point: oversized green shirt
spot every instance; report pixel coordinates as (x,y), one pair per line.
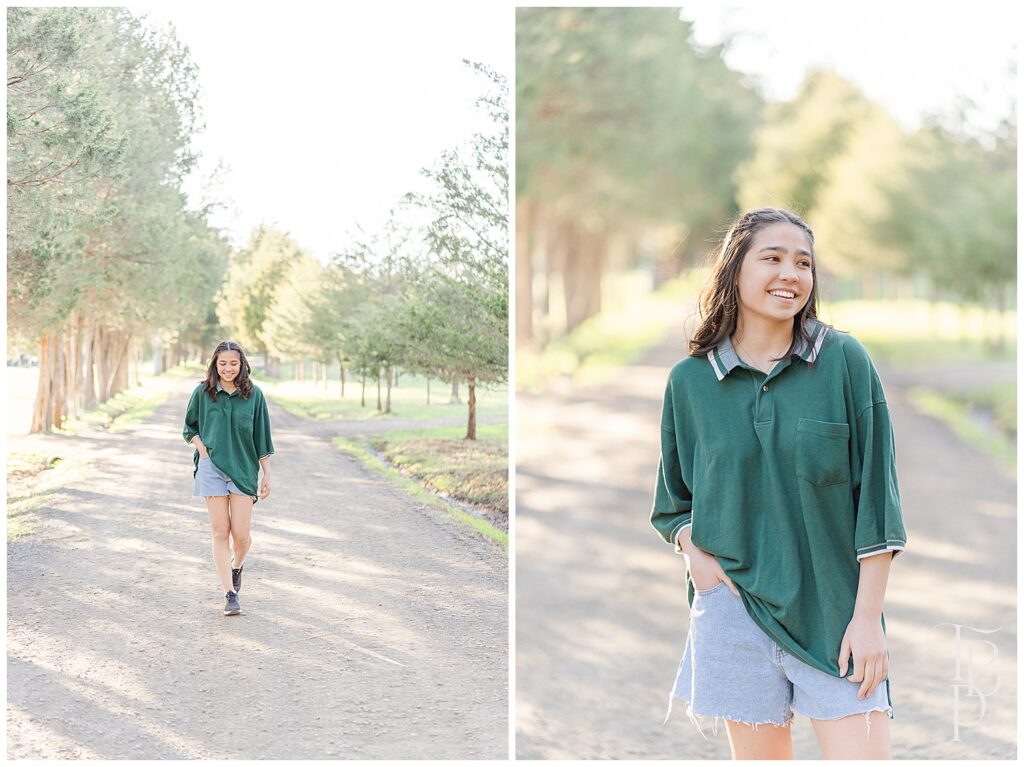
(236,432)
(787,478)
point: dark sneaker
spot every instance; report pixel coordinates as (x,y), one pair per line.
(236,578)
(232,607)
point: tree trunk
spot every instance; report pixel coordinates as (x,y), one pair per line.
(379,403)
(341,375)
(387,403)
(524,273)
(74,363)
(42,409)
(158,357)
(88,384)
(1000,343)
(362,394)
(455,393)
(471,426)
(102,363)
(584,264)
(120,347)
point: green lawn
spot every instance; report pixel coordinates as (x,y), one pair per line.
(439,460)
(408,400)
(915,331)
(909,331)
(633,319)
(429,463)
(471,471)
(998,440)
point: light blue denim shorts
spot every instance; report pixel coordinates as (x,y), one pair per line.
(731,669)
(212,481)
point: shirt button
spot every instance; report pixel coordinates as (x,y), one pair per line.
(764,388)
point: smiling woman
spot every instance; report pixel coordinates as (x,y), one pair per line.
(777,481)
(228,425)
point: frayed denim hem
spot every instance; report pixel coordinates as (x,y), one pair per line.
(867,717)
(714,724)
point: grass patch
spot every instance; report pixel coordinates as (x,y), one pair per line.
(408,401)
(185,371)
(470,471)
(634,319)
(961,419)
(120,412)
(427,462)
(31,479)
(915,331)
(1000,401)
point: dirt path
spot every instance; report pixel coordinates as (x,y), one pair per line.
(601,616)
(372,627)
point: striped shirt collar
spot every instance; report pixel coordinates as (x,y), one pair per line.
(723,358)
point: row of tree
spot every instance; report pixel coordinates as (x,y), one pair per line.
(102,251)
(427,299)
(635,146)
(938,202)
(105,257)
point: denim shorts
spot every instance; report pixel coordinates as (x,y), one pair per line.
(212,481)
(732,669)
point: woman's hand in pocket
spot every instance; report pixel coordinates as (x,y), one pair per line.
(705,572)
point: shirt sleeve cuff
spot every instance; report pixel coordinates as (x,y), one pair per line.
(679,548)
(880,548)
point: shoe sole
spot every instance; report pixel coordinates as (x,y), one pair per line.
(232,612)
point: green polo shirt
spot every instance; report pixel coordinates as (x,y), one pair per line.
(235,430)
(787,478)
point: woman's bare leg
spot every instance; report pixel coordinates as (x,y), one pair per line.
(852,738)
(220,523)
(241,526)
(766,741)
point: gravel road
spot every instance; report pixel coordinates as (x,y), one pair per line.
(372,627)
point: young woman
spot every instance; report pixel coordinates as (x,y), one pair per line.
(228,424)
(777,481)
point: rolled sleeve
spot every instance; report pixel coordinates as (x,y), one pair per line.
(673,501)
(879,525)
(191,428)
(261,429)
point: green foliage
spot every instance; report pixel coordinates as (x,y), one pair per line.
(455,312)
(936,203)
(247,298)
(100,114)
(954,212)
(797,143)
(620,122)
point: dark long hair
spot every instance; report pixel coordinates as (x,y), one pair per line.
(720,299)
(242,382)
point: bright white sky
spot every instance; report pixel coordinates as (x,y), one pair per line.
(911,57)
(324,117)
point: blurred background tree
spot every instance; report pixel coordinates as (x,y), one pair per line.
(636,147)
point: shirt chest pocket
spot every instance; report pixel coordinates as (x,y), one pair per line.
(241,420)
(823,452)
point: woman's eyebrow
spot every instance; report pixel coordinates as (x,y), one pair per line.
(801,251)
